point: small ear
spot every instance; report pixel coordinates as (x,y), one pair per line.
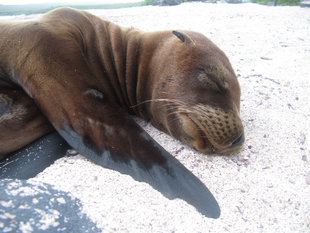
(182,36)
(179,35)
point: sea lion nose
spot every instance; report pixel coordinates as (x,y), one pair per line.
(239,141)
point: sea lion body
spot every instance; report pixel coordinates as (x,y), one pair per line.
(86,75)
(125,67)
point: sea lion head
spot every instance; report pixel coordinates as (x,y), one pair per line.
(196,95)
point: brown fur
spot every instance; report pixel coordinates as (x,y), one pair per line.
(80,69)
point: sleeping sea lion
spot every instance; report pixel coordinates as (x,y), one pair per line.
(84,76)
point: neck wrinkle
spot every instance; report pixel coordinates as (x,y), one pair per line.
(134,75)
(149,71)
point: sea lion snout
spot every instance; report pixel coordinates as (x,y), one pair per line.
(197,98)
(211,130)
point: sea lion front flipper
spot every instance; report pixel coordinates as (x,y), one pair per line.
(21,123)
(108,136)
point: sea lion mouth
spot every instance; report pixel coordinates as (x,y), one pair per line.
(208,147)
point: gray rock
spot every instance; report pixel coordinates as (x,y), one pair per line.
(30,207)
(305,3)
(34,158)
(167,2)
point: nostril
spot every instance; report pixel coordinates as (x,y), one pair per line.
(239,141)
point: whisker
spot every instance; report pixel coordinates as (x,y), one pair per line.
(169,101)
(178,112)
(149,101)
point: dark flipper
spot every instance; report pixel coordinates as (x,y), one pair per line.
(34,158)
(169,176)
(111,138)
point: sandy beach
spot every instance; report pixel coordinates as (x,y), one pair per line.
(265,187)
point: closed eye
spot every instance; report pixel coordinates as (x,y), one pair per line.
(209,81)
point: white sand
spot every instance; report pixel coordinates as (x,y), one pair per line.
(266,187)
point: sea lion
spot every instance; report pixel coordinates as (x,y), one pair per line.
(87,75)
